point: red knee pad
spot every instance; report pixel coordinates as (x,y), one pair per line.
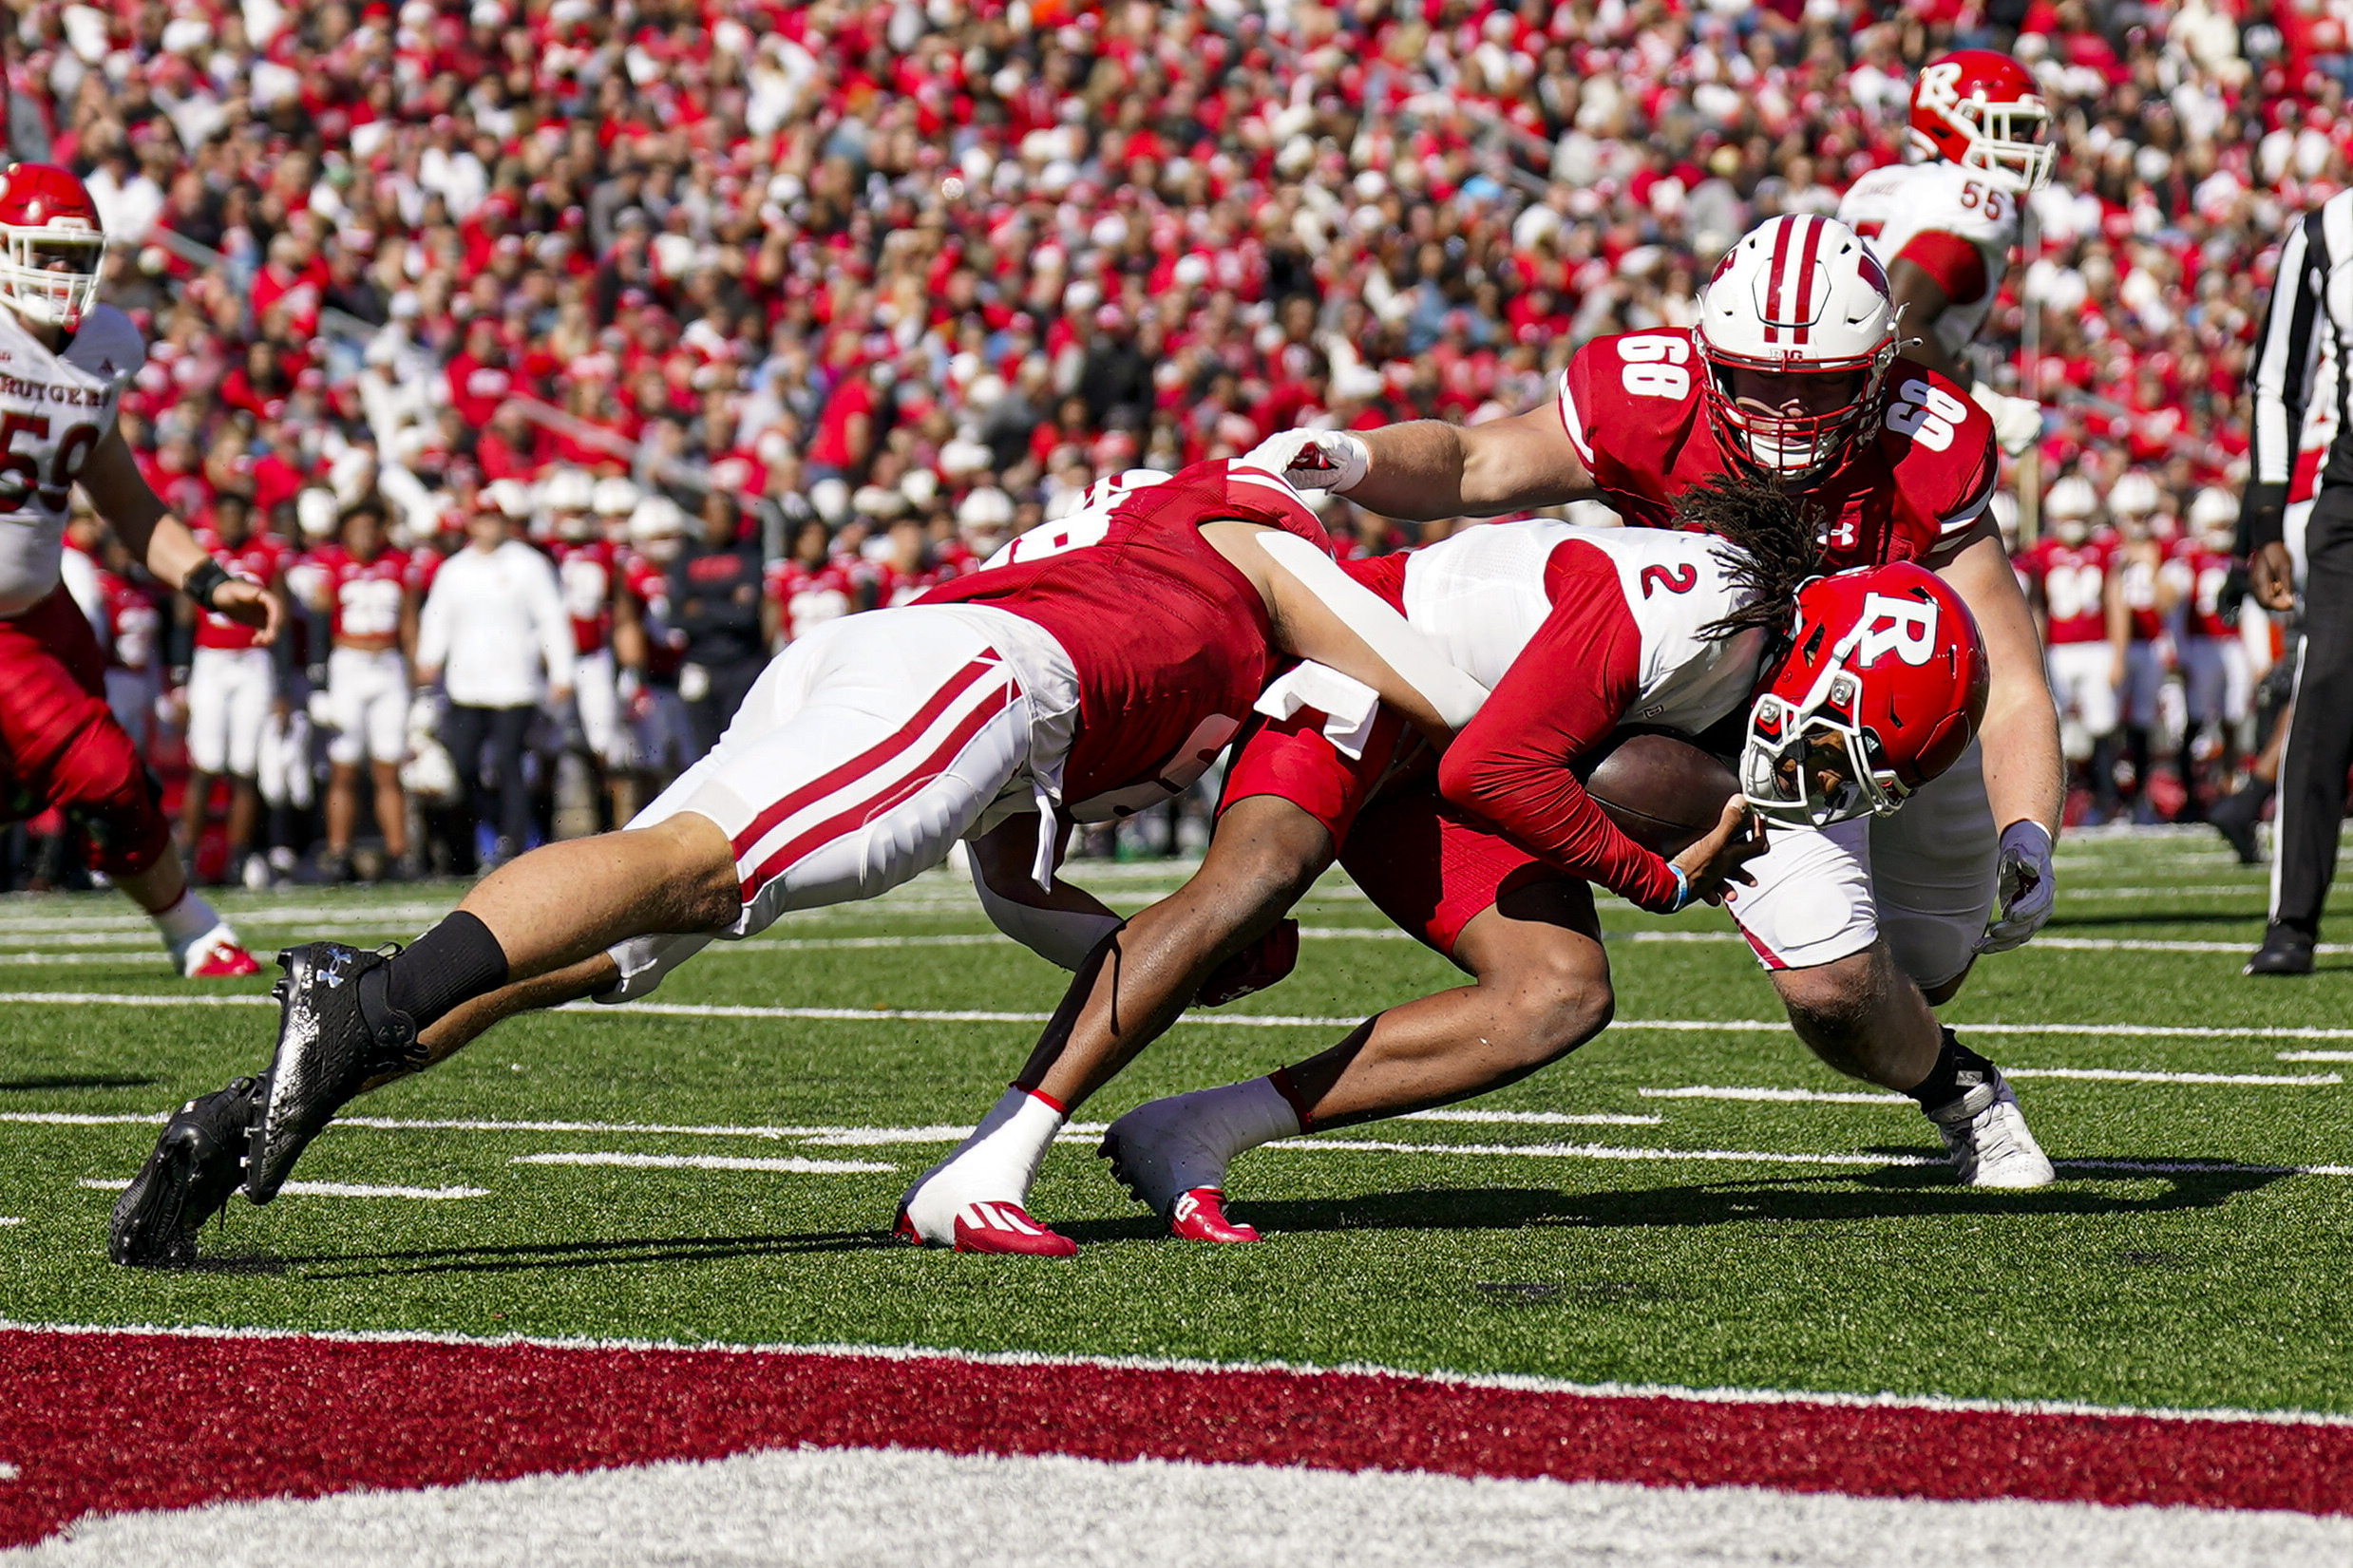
(101,784)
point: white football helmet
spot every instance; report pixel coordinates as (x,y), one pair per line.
(1801,301)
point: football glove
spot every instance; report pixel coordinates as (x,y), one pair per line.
(2018,421)
(2025,887)
(1313,460)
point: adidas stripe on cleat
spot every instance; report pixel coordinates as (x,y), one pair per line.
(998,1226)
(1200,1216)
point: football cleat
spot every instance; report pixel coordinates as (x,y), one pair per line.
(1200,1216)
(1988,1137)
(335,1033)
(1255,967)
(996,1226)
(2284,951)
(196,1169)
(218,955)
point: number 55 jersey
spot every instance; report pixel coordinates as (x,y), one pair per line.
(1914,482)
(54,410)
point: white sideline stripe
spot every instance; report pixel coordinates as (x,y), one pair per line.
(917,1015)
(1824,1096)
(11,1219)
(2315,1056)
(1519,1382)
(706,1162)
(333,1189)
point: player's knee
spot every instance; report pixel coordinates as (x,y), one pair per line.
(1550,1004)
(1832,1006)
(690,856)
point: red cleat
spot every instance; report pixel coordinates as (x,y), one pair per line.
(220,957)
(1199,1214)
(995,1227)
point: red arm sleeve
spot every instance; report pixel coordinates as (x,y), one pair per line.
(1957,266)
(1566,690)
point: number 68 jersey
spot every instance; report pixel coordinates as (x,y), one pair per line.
(54,410)
(1912,487)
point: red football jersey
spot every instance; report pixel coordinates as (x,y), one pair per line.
(585,572)
(1171,643)
(2136,573)
(2201,573)
(2071,578)
(1634,406)
(649,585)
(806,599)
(134,622)
(364,597)
(263,557)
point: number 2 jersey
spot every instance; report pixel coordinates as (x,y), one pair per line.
(1171,643)
(54,410)
(1918,481)
(1576,631)
(1947,222)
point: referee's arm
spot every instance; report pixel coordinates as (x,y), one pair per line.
(2280,385)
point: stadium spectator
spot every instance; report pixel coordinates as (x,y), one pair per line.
(494,636)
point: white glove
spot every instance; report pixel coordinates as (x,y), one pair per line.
(1313,460)
(2025,887)
(2018,421)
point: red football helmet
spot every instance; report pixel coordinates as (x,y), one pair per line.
(1881,691)
(1985,112)
(1800,305)
(52,245)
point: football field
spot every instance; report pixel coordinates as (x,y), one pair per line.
(1690,1202)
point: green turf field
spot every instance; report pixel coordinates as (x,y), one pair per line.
(2222,1284)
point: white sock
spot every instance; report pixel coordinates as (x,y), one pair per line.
(995,1164)
(186,921)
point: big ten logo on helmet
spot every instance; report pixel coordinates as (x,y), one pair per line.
(1905,627)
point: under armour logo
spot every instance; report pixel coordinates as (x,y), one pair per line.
(331,975)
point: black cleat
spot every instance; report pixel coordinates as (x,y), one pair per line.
(196,1166)
(2284,951)
(335,1033)
(2235,816)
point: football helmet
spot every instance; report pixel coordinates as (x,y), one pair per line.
(1985,112)
(52,245)
(1802,301)
(1881,691)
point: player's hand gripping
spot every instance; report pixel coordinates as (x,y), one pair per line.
(2025,886)
(1313,460)
(1721,858)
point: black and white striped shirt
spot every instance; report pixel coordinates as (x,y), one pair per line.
(2312,314)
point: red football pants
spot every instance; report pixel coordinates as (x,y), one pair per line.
(60,745)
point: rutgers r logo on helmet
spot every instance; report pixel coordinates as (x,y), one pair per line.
(52,246)
(1983,111)
(1905,627)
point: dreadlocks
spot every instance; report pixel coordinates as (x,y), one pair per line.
(1779,539)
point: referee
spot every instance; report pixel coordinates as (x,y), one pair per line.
(2312,313)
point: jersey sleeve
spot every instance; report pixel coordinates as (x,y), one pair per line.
(1571,686)
(1578,402)
(1949,463)
(1956,265)
(108,345)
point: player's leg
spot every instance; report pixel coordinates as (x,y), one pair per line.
(207,737)
(2319,749)
(1290,796)
(1527,936)
(865,754)
(1859,952)
(347,750)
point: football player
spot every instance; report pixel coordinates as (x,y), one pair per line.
(231,682)
(2067,574)
(1944,227)
(2140,600)
(367,593)
(1098,668)
(1792,372)
(69,358)
(588,570)
(1579,631)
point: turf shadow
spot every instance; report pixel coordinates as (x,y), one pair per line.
(1899,1193)
(2170,917)
(606,1253)
(75,1080)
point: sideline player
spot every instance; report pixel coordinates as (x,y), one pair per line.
(1579,631)
(1944,227)
(2067,575)
(588,574)
(231,684)
(1793,372)
(1095,670)
(68,359)
(367,592)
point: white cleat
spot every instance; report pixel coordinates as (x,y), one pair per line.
(1987,1136)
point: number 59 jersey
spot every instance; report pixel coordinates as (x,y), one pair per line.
(54,410)
(1916,482)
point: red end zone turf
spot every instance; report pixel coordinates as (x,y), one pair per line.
(108,1422)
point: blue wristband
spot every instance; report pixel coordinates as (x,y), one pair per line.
(1683,889)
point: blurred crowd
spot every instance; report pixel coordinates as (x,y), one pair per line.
(699,322)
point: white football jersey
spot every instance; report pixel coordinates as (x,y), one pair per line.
(1479,595)
(1893,206)
(54,410)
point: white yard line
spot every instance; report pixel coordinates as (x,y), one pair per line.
(1533,1118)
(11,1219)
(2258,1080)
(1812,1096)
(708,1162)
(2315,1056)
(335,1189)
